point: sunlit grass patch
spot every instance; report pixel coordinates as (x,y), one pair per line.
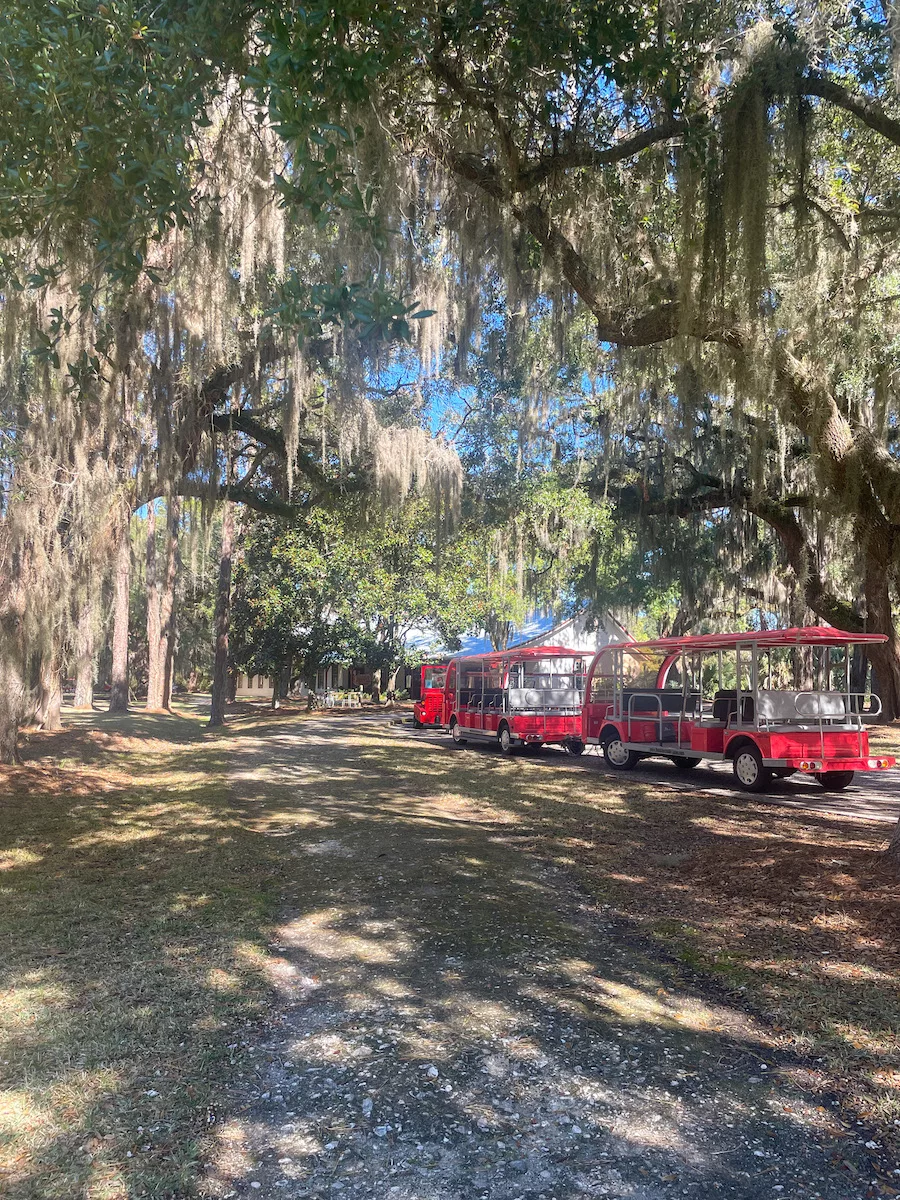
(132,940)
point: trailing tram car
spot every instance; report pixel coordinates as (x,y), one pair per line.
(772,703)
(517,698)
(429,705)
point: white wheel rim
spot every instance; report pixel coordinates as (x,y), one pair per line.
(456,732)
(504,739)
(617,752)
(746,768)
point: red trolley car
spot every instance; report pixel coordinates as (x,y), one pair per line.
(429,705)
(517,697)
(772,703)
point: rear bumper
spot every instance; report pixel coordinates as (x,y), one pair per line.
(874,762)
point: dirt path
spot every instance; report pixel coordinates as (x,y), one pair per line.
(457,1021)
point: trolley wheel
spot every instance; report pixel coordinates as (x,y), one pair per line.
(575,746)
(749,772)
(685,764)
(618,756)
(835,781)
(504,739)
(456,734)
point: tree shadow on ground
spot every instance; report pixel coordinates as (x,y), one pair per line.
(432,912)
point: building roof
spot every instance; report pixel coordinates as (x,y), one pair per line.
(580,630)
(495,657)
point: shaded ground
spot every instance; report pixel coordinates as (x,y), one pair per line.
(331,957)
(459,1018)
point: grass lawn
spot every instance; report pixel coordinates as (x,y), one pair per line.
(139,892)
(134,897)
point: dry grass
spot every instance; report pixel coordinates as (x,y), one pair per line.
(133,909)
(794,914)
(138,892)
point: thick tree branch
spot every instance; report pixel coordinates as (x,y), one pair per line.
(580,157)
(273,440)
(869,112)
(781,518)
(660,323)
(262,502)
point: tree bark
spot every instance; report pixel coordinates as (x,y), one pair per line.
(222,620)
(13,688)
(154,619)
(161,609)
(118,696)
(168,599)
(885,660)
(84,656)
(48,710)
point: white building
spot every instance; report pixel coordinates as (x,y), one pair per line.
(580,633)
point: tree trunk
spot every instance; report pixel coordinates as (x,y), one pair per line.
(885,662)
(167,601)
(222,619)
(155,666)
(13,687)
(161,609)
(84,656)
(885,659)
(48,714)
(232,684)
(118,695)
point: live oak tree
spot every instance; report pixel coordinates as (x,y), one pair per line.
(717,191)
(160,290)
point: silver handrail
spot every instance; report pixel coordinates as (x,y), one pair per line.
(645,696)
(852,716)
(629,712)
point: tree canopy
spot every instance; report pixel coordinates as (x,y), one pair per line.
(642,257)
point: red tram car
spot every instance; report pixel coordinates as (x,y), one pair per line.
(429,706)
(771,703)
(517,698)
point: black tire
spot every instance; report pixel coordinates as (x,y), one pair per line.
(749,772)
(835,781)
(575,746)
(504,740)
(685,764)
(455,734)
(417,723)
(618,756)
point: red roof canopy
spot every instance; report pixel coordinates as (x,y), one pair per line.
(497,656)
(810,635)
